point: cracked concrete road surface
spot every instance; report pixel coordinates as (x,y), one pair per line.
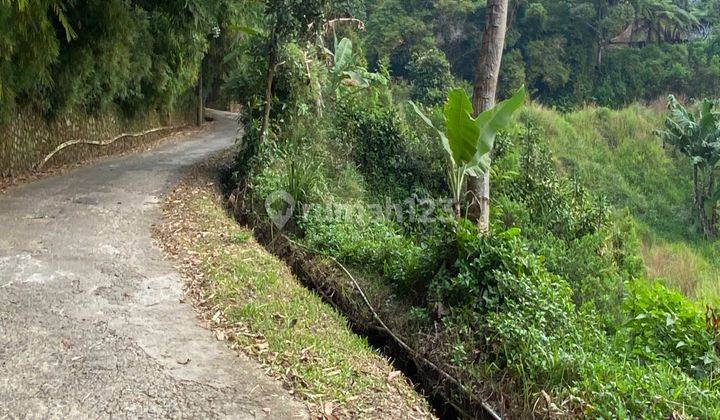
(91,324)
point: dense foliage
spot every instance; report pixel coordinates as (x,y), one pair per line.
(63,54)
(429,71)
(567,53)
(554,301)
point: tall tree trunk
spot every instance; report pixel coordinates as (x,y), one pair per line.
(700,202)
(272,63)
(493,42)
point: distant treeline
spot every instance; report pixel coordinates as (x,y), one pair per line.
(611,52)
(139,54)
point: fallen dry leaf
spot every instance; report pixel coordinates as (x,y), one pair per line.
(328,409)
(216,317)
(393,375)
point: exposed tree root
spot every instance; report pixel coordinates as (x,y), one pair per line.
(97,143)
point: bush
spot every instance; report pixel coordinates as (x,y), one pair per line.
(357,237)
(429,72)
(574,231)
(523,316)
(664,326)
(393,160)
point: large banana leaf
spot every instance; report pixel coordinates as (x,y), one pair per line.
(467,140)
(343,55)
(491,122)
(461,130)
(698,137)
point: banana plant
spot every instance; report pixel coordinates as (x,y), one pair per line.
(468,141)
(698,137)
(345,72)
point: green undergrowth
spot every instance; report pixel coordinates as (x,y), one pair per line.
(615,153)
(269,314)
(554,301)
(553,313)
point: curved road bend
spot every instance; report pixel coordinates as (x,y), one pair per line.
(90,320)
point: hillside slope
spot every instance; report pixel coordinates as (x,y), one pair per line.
(615,153)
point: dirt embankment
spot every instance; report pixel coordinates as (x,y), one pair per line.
(251,300)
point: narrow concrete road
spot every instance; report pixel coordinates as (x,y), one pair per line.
(91,323)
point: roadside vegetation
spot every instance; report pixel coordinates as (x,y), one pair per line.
(92,55)
(579,280)
(551,313)
(86,71)
(251,300)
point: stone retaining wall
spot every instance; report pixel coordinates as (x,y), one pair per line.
(28,137)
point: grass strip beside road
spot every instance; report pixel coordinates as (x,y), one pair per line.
(250,299)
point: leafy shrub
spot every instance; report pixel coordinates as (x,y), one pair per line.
(527,324)
(388,154)
(429,72)
(355,236)
(574,231)
(524,313)
(558,204)
(612,385)
(481,281)
(663,325)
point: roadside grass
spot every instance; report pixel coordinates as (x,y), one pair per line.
(251,299)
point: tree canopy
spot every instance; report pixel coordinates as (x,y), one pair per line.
(610,52)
